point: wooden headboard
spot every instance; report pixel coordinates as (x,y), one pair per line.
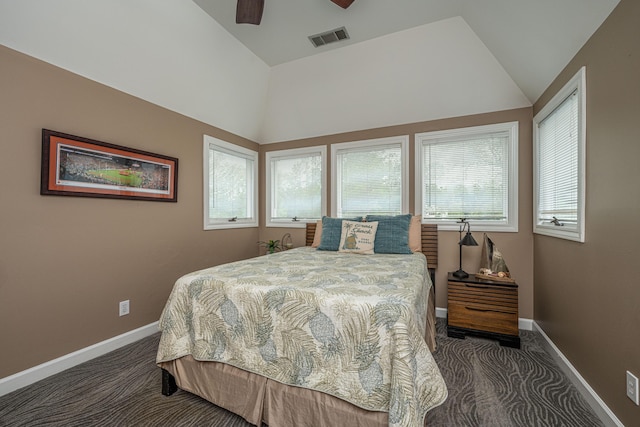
(429,241)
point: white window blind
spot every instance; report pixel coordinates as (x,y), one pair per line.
(559,131)
(558,164)
(230,185)
(469,173)
(295,186)
(370,177)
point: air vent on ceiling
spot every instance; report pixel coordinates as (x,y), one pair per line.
(329,37)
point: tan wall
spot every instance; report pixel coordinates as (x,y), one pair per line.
(587,295)
(66,262)
(516,247)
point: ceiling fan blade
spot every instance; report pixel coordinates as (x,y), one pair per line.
(249,11)
(343,3)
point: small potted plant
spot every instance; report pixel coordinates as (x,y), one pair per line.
(271,245)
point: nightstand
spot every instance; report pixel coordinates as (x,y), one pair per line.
(484,308)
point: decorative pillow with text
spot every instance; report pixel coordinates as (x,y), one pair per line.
(358,237)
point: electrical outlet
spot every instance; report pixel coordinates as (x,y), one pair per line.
(124,308)
(632,388)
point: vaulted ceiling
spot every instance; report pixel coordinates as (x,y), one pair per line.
(532,40)
(407,61)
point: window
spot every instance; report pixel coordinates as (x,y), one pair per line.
(295,186)
(469,173)
(370,177)
(559,163)
(230,183)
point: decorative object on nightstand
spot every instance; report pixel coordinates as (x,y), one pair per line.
(492,263)
(467,240)
(286,242)
(485,308)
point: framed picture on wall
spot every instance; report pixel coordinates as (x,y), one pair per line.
(76,166)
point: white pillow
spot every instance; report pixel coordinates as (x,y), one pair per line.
(358,237)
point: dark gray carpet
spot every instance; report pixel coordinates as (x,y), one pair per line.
(496,386)
(488,385)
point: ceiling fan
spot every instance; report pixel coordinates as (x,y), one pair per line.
(250,11)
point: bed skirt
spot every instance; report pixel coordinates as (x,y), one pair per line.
(258,399)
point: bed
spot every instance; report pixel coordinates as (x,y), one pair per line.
(262,336)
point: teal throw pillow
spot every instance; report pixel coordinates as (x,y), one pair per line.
(392,236)
(331,232)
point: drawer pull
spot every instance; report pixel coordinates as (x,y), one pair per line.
(485,310)
(476,286)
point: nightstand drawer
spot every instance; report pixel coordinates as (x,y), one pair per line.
(483,317)
(484,294)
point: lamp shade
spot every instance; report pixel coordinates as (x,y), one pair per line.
(468,240)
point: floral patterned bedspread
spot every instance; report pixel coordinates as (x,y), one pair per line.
(348,325)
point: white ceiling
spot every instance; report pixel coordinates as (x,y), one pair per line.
(532,40)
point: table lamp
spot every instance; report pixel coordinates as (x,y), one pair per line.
(467,240)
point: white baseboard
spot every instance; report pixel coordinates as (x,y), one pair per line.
(524,324)
(37,373)
(441,312)
(605,414)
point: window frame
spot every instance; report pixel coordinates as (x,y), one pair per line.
(210,143)
(512,128)
(293,153)
(576,84)
(403,140)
